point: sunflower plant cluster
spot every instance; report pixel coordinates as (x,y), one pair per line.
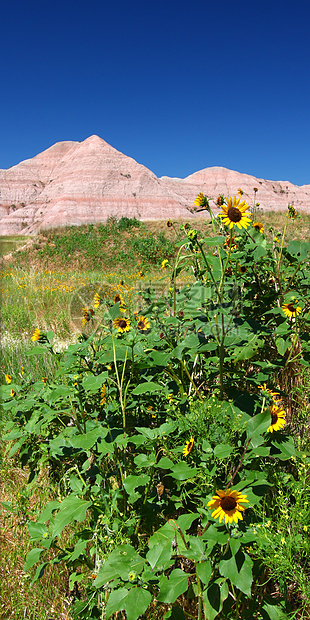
(168,428)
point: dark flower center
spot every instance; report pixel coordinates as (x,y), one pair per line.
(228,503)
(234,214)
(274,418)
(141,324)
(291,307)
(117,299)
(122,323)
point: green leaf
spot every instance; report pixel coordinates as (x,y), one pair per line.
(258,424)
(142,460)
(36,530)
(282,345)
(204,571)
(122,561)
(93,383)
(132,482)
(160,546)
(298,249)
(115,601)
(78,549)
(214,597)
(183,471)
(222,450)
(164,463)
(72,508)
(148,386)
(32,558)
(274,612)
(175,613)
(171,588)
(238,568)
(136,603)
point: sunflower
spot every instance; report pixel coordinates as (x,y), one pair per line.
(292,213)
(242,269)
(8,378)
(201,201)
(220,200)
(188,446)
(291,310)
(102,392)
(44,379)
(143,323)
(87,315)
(258,226)
(277,419)
(97,300)
(267,392)
(230,243)
(169,224)
(228,505)
(164,264)
(12,393)
(234,213)
(121,324)
(118,299)
(240,191)
(36,335)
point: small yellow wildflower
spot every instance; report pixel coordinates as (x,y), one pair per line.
(8,378)
(188,446)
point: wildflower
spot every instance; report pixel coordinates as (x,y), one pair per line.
(164,264)
(169,223)
(258,226)
(283,541)
(87,315)
(201,201)
(291,309)
(242,269)
(97,300)
(143,323)
(8,378)
(292,213)
(102,392)
(12,393)
(44,379)
(230,243)
(36,335)
(150,409)
(277,419)
(188,446)
(141,273)
(305,528)
(255,189)
(240,191)
(121,324)
(132,576)
(181,314)
(228,505)
(269,393)
(118,299)
(23,370)
(276,240)
(234,213)
(220,200)
(192,234)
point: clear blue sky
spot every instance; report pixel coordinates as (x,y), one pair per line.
(179,85)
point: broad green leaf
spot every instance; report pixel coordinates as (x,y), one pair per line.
(115,601)
(132,482)
(282,345)
(78,549)
(274,612)
(175,613)
(196,551)
(238,568)
(148,386)
(258,424)
(122,561)
(136,602)
(204,570)
(214,597)
(93,383)
(142,460)
(160,546)
(72,508)
(36,530)
(171,588)
(86,442)
(298,249)
(222,450)
(32,558)
(164,463)
(183,471)
(185,521)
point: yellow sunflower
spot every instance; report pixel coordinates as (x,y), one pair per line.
(97,300)
(240,191)
(201,201)
(87,315)
(143,323)
(230,242)
(8,378)
(118,299)
(268,392)
(277,419)
(292,213)
(242,269)
(121,324)
(36,335)
(102,392)
(234,213)
(188,446)
(228,505)
(12,393)
(291,310)
(258,226)
(164,264)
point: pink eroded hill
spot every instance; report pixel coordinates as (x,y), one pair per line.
(87,182)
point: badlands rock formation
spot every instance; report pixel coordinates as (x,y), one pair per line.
(85,182)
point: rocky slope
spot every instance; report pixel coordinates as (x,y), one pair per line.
(85,182)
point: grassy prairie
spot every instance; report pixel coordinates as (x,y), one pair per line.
(10,243)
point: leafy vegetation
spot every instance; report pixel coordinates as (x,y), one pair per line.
(174,432)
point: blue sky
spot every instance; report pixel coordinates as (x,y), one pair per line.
(177,85)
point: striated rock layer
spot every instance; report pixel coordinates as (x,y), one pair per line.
(87,182)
